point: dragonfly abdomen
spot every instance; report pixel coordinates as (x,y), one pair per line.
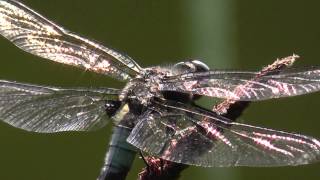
(120,156)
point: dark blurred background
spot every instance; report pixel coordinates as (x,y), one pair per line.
(225,34)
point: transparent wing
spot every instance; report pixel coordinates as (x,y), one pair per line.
(35,34)
(246,86)
(49,109)
(194,136)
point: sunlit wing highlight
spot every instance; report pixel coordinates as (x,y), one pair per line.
(242,86)
(188,135)
(35,34)
(51,109)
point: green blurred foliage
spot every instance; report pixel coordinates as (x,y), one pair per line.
(224,33)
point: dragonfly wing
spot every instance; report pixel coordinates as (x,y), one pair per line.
(246,86)
(50,109)
(35,34)
(195,136)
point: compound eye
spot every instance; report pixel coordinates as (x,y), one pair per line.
(184,67)
(191,66)
(200,66)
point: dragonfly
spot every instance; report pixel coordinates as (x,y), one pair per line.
(155,112)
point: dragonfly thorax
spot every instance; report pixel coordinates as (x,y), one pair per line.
(142,89)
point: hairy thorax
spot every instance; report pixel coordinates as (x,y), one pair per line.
(143,88)
(137,95)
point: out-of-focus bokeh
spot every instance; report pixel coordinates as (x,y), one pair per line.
(225,34)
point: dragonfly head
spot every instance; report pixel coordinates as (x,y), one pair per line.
(184,68)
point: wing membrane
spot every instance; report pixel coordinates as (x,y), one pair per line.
(194,136)
(35,34)
(246,86)
(49,109)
